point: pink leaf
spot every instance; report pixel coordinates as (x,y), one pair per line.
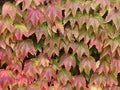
(11,10)
(34,15)
(67,61)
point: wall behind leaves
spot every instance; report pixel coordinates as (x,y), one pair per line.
(60,45)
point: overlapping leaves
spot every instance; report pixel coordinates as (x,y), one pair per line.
(47,45)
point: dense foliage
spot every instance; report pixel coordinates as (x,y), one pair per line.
(60,45)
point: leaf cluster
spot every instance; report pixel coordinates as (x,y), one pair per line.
(60,45)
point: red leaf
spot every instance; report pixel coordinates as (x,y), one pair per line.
(73,47)
(114,16)
(37,2)
(65,87)
(33,86)
(115,63)
(114,44)
(39,34)
(29,2)
(7,23)
(67,61)
(11,10)
(34,15)
(104,66)
(79,82)
(43,60)
(52,45)
(58,26)
(21,80)
(112,88)
(52,42)
(73,6)
(97,42)
(48,73)
(87,63)
(111,80)
(1,25)
(50,52)
(2,43)
(15,66)
(64,45)
(98,80)
(64,77)
(94,22)
(20,30)
(30,69)
(25,47)
(6,78)
(43,84)
(18,34)
(53,12)
(102,3)
(95,87)
(82,49)
(5,55)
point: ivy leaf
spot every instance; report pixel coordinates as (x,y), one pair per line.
(48,73)
(97,42)
(6,55)
(65,46)
(7,23)
(34,15)
(54,51)
(95,87)
(30,69)
(11,10)
(52,45)
(58,26)
(44,30)
(39,34)
(111,80)
(20,30)
(1,25)
(2,43)
(114,44)
(114,16)
(55,85)
(15,66)
(73,47)
(115,63)
(65,87)
(43,84)
(53,12)
(82,49)
(29,2)
(73,6)
(6,78)
(43,60)
(102,3)
(67,61)
(37,2)
(86,64)
(79,82)
(33,86)
(64,76)
(94,22)
(98,80)
(25,47)
(21,80)
(112,88)
(111,31)
(104,66)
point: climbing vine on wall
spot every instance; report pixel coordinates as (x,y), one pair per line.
(60,45)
